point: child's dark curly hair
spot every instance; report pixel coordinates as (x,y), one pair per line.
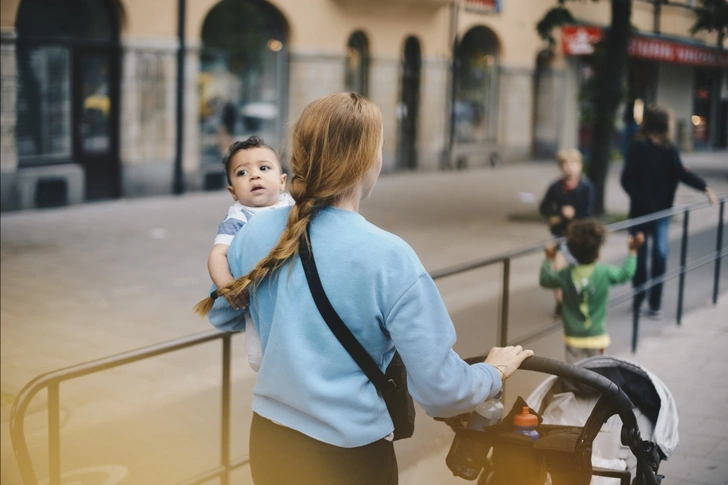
(252,142)
(584,237)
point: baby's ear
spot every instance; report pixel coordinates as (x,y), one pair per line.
(232,192)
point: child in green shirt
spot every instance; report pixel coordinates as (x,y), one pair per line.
(585,286)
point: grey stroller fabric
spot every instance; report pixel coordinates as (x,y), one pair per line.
(656,410)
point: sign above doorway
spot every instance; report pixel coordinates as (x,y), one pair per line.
(579,40)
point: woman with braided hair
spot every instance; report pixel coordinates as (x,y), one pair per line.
(317,418)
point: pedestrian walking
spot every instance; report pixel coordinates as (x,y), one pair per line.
(650,177)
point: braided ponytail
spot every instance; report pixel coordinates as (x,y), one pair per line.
(334,145)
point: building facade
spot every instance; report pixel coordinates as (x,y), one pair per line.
(90,92)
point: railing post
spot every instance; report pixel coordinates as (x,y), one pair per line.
(225,421)
(54,435)
(683,260)
(502,336)
(635,327)
(718,248)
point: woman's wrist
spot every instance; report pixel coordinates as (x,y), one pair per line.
(501,372)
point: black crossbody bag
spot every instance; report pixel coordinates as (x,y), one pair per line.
(392,384)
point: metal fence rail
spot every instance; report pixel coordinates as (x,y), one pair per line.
(52,380)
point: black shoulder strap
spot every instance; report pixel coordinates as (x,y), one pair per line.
(337,326)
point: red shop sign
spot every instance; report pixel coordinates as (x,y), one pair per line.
(675,52)
(579,39)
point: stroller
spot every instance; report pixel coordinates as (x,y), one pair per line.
(601,421)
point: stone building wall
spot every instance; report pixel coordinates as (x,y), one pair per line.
(8,97)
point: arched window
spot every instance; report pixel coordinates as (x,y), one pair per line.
(475,78)
(357,64)
(242,83)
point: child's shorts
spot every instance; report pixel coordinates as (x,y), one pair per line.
(575,354)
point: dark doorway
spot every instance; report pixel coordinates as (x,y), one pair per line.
(408,109)
(68,89)
(94,121)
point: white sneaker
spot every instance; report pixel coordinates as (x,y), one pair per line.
(654,314)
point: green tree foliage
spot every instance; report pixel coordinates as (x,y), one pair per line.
(556,17)
(712,15)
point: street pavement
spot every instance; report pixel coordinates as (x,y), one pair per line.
(84,282)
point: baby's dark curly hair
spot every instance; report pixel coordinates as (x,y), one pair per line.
(252,142)
(584,237)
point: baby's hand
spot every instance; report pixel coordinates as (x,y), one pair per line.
(554,220)
(237,302)
(568,211)
(551,251)
(636,241)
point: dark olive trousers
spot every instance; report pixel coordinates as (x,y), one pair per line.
(283,456)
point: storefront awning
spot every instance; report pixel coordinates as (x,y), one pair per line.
(579,40)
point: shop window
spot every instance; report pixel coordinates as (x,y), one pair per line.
(43,129)
(702,104)
(475,81)
(357,64)
(242,82)
(48,33)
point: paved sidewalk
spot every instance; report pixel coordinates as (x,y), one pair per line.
(692,360)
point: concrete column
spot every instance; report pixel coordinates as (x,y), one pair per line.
(147,131)
(569,133)
(515,110)
(675,91)
(8,119)
(434,116)
(313,74)
(384,82)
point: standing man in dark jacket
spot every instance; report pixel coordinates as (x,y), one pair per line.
(650,176)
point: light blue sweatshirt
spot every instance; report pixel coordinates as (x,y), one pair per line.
(375,282)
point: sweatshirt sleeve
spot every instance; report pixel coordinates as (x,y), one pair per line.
(549,205)
(222,315)
(589,196)
(438,379)
(687,176)
(630,176)
(617,275)
(548,277)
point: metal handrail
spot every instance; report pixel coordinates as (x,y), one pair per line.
(53,379)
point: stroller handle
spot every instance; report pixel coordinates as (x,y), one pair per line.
(621,402)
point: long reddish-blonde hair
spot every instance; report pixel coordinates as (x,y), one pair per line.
(334,144)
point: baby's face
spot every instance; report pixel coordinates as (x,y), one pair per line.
(256,178)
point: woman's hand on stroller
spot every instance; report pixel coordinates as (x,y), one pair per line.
(507,359)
